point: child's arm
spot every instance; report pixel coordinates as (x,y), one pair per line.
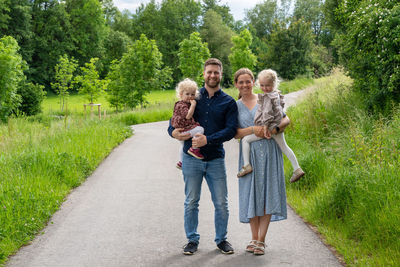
(189,115)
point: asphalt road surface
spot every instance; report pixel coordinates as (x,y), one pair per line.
(129,212)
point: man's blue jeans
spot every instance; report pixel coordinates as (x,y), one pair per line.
(215,174)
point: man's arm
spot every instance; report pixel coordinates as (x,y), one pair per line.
(177,133)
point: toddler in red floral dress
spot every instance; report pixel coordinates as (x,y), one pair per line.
(187,92)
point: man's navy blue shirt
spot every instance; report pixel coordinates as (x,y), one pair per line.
(218,116)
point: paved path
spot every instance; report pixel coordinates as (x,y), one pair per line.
(129,212)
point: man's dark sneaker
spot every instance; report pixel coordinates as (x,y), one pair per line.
(190,248)
(225,247)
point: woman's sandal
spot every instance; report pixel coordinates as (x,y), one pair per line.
(251,246)
(259,249)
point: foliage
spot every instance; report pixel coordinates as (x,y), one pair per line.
(219,39)
(15,21)
(64,78)
(192,54)
(115,45)
(311,12)
(262,17)
(322,61)
(11,74)
(91,84)
(222,10)
(241,55)
(168,23)
(52,39)
(136,74)
(369,49)
(32,96)
(87,28)
(289,49)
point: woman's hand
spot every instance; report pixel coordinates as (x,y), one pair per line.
(259,131)
(267,133)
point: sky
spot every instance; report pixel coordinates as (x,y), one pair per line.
(237,6)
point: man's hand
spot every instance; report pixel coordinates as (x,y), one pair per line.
(178,134)
(199,140)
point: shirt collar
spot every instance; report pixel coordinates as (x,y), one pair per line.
(204,92)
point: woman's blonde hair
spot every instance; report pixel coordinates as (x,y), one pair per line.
(271,75)
(186,85)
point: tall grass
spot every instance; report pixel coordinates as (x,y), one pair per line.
(351,189)
(40,162)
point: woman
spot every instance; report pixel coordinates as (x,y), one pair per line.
(262,196)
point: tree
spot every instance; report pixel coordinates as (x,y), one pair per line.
(241,55)
(11,74)
(15,21)
(262,17)
(218,37)
(115,45)
(136,74)
(109,11)
(369,49)
(91,84)
(311,12)
(51,39)
(289,49)
(222,10)
(87,28)
(192,54)
(64,73)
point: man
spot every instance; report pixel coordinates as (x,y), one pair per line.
(217,114)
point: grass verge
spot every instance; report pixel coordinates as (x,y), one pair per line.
(351,159)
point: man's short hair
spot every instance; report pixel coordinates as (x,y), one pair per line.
(213,61)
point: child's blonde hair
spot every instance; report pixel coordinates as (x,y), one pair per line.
(186,85)
(271,75)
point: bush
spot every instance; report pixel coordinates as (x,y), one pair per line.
(32,97)
(369,49)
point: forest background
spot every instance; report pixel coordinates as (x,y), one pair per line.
(52,49)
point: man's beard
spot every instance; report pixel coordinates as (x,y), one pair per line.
(212,83)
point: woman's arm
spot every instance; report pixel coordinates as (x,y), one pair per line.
(242,132)
(284,123)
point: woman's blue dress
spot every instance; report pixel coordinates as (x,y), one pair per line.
(264,188)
